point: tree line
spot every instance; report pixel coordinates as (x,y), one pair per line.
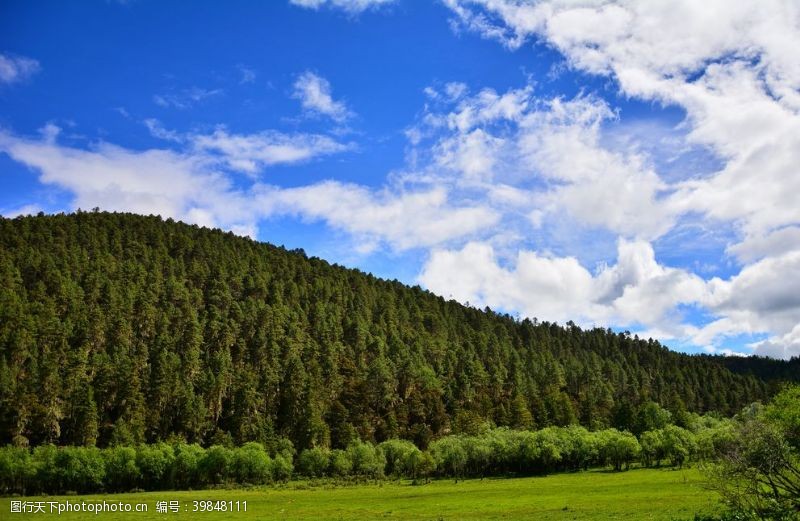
(119,329)
(491,452)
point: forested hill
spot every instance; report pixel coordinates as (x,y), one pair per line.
(118,328)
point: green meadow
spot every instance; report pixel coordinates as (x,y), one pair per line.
(641,494)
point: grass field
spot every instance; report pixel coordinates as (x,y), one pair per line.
(638,494)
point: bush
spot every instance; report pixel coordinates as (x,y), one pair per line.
(679,445)
(480,457)
(367,459)
(618,448)
(281,468)
(421,464)
(155,463)
(44,467)
(340,464)
(314,462)
(215,464)
(186,466)
(449,456)
(760,475)
(652,443)
(16,469)
(251,464)
(79,469)
(399,455)
(122,473)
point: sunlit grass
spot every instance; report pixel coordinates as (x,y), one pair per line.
(638,494)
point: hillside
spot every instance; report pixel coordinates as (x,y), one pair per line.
(118,328)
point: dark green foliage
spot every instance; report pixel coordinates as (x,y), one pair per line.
(314,462)
(493,452)
(121,470)
(282,468)
(118,329)
(251,464)
(401,457)
(758,476)
(155,464)
(618,448)
(367,459)
(79,469)
(215,465)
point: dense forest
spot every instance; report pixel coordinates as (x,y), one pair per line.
(117,329)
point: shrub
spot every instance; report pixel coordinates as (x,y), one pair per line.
(44,467)
(367,459)
(251,464)
(398,455)
(187,459)
(281,468)
(215,464)
(16,469)
(449,455)
(618,448)
(122,473)
(314,462)
(155,463)
(340,464)
(79,469)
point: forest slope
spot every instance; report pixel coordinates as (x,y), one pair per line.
(119,328)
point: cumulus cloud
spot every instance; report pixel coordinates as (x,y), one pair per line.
(14,69)
(636,291)
(401,219)
(27,209)
(153,181)
(314,93)
(550,151)
(350,6)
(195,184)
(732,69)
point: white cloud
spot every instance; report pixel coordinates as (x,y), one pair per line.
(14,69)
(27,209)
(186,98)
(251,153)
(195,185)
(314,93)
(350,6)
(755,247)
(247,75)
(153,181)
(401,219)
(732,68)
(635,292)
(550,149)
(784,346)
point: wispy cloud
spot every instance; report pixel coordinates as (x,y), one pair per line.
(195,184)
(15,69)
(186,98)
(350,6)
(314,93)
(247,75)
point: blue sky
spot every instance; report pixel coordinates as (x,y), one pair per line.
(615,163)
